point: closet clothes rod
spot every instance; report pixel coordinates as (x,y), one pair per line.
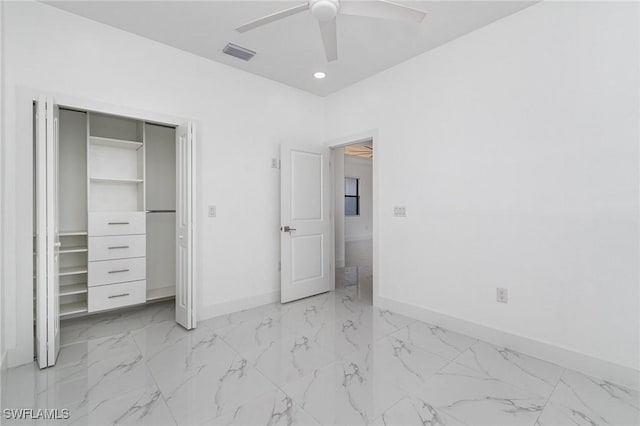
(160,211)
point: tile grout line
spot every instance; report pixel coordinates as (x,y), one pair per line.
(550,395)
(334,358)
(268,379)
(413,394)
(155,381)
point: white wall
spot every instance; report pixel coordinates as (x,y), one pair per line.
(244,118)
(515,150)
(360,227)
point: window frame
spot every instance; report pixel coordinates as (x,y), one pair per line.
(357,196)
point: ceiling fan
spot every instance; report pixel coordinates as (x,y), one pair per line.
(325,11)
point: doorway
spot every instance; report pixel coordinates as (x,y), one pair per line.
(353,224)
(314,204)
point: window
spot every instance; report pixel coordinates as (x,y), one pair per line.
(351,196)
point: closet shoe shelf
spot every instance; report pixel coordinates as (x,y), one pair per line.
(73,308)
(72,233)
(68,290)
(73,270)
(73,249)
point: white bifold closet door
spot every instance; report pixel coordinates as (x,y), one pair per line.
(47,236)
(185,226)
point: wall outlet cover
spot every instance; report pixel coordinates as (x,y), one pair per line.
(400,211)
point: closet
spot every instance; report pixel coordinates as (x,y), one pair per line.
(116,212)
(106,215)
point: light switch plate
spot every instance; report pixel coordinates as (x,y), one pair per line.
(275,163)
(212,211)
(502,295)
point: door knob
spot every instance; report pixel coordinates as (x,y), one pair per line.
(288,229)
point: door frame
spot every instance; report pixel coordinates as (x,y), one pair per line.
(22,343)
(368,135)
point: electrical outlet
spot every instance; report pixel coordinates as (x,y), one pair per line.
(400,211)
(212,211)
(502,295)
(275,163)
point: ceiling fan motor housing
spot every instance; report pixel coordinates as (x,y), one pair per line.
(324,10)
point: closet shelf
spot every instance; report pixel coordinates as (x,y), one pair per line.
(73,308)
(72,233)
(76,249)
(115,180)
(70,289)
(116,143)
(73,270)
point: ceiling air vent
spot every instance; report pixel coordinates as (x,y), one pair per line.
(238,51)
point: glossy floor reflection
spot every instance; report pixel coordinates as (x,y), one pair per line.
(330,359)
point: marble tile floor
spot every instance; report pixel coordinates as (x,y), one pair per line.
(330,359)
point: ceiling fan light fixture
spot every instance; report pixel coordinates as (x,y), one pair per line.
(324,10)
(319,75)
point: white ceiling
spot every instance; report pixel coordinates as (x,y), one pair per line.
(290,50)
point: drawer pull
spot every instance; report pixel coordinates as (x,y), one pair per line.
(119,223)
(118,271)
(118,247)
(118,295)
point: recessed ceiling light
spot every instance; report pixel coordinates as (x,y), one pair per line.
(319,75)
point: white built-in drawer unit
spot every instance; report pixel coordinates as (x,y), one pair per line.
(116,295)
(116,271)
(116,223)
(117,247)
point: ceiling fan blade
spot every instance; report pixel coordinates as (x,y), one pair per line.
(382,9)
(273,17)
(330,39)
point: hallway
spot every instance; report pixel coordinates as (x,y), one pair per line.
(358,271)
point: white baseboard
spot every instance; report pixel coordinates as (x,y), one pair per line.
(19,355)
(558,355)
(357,238)
(224,308)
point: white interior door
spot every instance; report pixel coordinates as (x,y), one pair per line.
(47,237)
(305,222)
(185,226)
